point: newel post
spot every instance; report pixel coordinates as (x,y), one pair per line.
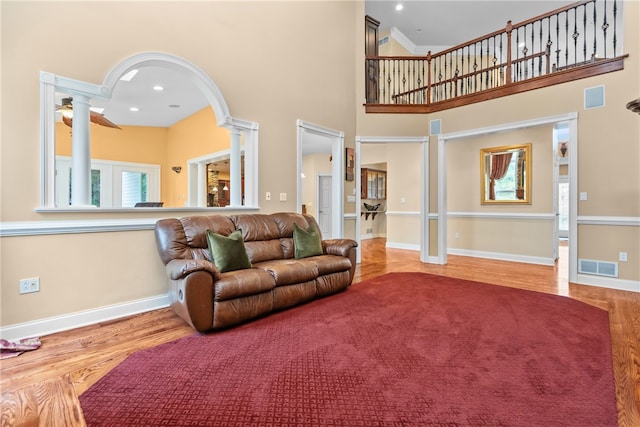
(428,78)
(508,30)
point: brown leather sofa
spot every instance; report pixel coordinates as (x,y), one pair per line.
(208,299)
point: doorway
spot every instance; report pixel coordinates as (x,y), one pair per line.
(406,191)
(321,153)
(572,146)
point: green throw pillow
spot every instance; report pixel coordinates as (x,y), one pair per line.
(306,243)
(228,253)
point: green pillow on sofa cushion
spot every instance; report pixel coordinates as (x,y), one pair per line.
(228,253)
(306,243)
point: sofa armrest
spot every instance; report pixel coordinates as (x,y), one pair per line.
(340,247)
(180,268)
(191,288)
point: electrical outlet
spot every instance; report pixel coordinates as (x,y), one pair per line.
(28,286)
(622,256)
(283,197)
(267,195)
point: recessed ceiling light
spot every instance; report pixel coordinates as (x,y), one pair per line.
(399,7)
(158,88)
(127,77)
(134,109)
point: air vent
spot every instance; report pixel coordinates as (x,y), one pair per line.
(383,40)
(594,97)
(599,268)
(435,127)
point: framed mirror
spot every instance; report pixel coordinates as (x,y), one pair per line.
(505,175)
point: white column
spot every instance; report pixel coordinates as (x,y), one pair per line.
(81,153)
(203,184)
(235,169)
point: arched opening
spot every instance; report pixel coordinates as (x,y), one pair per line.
(159,175)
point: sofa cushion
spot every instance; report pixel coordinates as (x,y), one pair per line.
(289,271)
(242,283)
(328,264)
(306,243)
(264,250)
(228,253)
(195,228)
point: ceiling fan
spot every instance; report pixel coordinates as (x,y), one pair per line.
(94,116)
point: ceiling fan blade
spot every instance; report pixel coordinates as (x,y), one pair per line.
(96,118)
(101,120)
(67,120)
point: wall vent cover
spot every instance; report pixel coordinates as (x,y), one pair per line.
(599,268)
(594,97)
(435,127)
(383,40)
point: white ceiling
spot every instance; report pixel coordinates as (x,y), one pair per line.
(426,23)
(443,24)
(179,98)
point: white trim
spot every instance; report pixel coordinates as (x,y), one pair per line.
(38,228)
(206,85)
(629,221)
(35,228)
(372,236)
(608,282)
(501,215)
(509,126)
(398,36)
(502,256)
(78,319)
(406,246)
(402,213)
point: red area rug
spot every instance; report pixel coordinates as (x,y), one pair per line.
(403,349)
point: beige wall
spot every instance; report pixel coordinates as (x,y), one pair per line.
(269,65)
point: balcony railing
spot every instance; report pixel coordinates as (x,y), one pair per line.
(576,41)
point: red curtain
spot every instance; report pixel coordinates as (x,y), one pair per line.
(499,166)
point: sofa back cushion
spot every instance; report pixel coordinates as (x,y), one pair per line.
(285,221)
(261,236)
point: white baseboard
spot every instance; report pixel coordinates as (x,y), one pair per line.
(372,236)
(609,282)
(65,322)
(408,246)
(502,256)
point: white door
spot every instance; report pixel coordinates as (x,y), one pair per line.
(324,205)
(563,207)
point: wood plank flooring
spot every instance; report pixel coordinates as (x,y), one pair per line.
(40,388)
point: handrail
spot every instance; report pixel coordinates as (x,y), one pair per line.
(569,37)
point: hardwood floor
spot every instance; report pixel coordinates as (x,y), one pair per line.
(40,388)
